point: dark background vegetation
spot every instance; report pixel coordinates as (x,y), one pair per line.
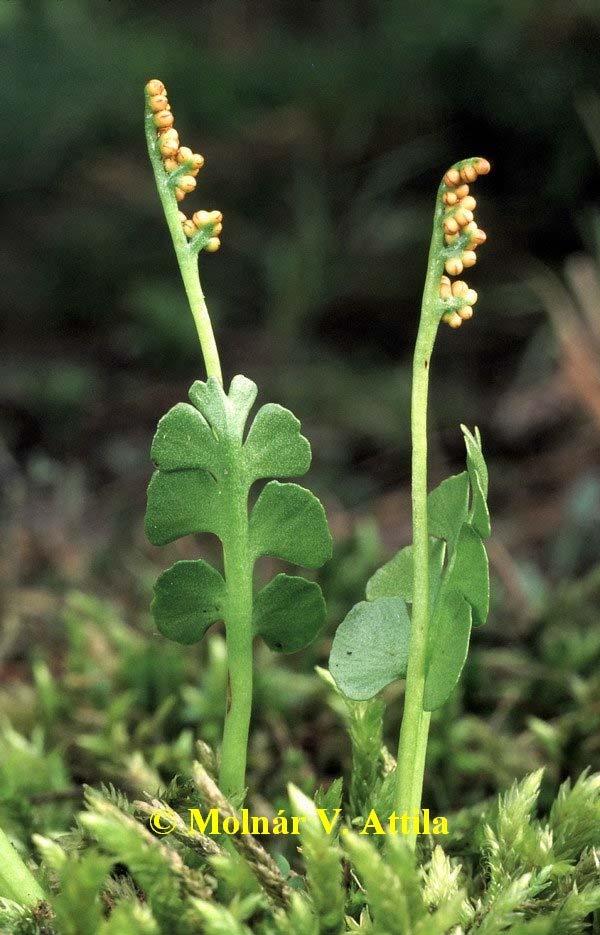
(325,127)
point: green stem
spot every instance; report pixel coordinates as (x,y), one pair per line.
(186,256)
(412,745)
(421,751)
(16,881)
(238,627)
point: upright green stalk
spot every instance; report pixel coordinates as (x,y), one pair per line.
(412,744)
(186,252)
(16,880)
(238,566)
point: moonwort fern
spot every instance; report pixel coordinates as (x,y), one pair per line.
(416,621)
(206,464)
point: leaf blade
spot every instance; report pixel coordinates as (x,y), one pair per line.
(184,441)
(288,522)
(274,446)
(188,598)
(448,648)
(481,514)
(288,613)
(469,574)
(447,507)
(395,578)
(210,400)
(478,476)
(181,503)
(370,647)
(240,399)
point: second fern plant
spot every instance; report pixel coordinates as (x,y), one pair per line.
(416,621)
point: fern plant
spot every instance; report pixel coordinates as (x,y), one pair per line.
(206,463)
(443,576)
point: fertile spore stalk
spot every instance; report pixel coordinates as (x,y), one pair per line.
(443,575)
(175,170)
(206,464)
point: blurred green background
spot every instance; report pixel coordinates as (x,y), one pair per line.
(325,127)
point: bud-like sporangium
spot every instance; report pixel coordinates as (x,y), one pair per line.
(209,221)
(189,228)
(168,143)
(458,288)
(201,218)
(187,183)
(461,238)
(207,218)
(468,203)
(159,102)
(197,161)
(453,266)
(452,178)
(155,87)
(164,118)
(453,319)
(445,288)
(463,216)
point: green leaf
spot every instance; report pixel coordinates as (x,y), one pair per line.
(274,446)
(395,578)
(184,441)
(194,448)
(480,511)
(183,502)
(288,522)
(242,394)
(469,574)
(447,508)
(478,475)
(475,459)
(205,470)
(288,613)
(448,647)
(225,413)
(370,647)
(188,598)
(209,398)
